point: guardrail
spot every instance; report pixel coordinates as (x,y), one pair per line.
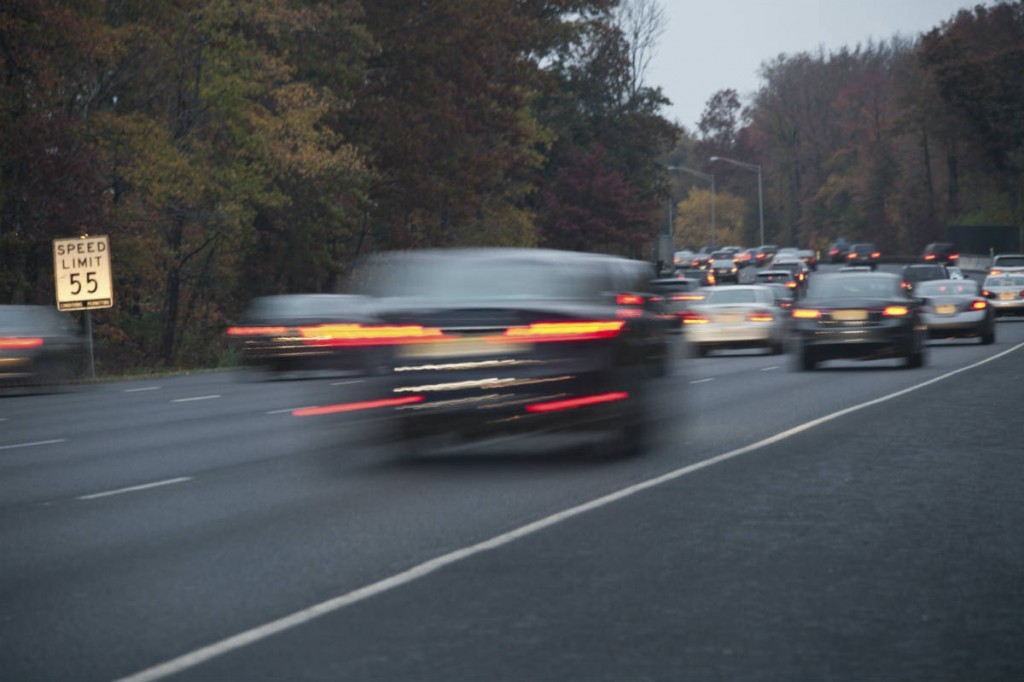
(969,263)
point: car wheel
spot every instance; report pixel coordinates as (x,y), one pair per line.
(777,348)
(699,351)
(804,359)
(915,358)
(988,337)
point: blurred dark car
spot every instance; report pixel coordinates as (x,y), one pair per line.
(921,272)
(746,257)
(800,271)
(864,316)
(705,276)
(781,276)
(675,296)
(838,251)
(38,346)
(306,332)
(941,252)
(724,267)
(784,297)
(955,308)
(505,341)
(764,254)
(865,253)
(809,257)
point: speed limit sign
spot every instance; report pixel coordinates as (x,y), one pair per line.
(81,271)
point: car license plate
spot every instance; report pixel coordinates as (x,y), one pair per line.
(729,317)
(849,315)
(945,309)
(1006,295)
(462,347)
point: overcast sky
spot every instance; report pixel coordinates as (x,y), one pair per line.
(709,45)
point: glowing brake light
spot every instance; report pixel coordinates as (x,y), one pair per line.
(876,254)
(806,314)
(979,304)
(954,256)
(629,299)
(369,335)
(257,331)
(690,317)
(851,255)
(760,317)
(930,256)
(995,272)
(791,284)
(711,277)
(564,331)
(572,403)
(19,343)
(355,407)
(896,311)
(686,297)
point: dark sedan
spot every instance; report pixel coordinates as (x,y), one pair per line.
(922,272)
(493,342)
(865,253)
(863,316)
(38,345)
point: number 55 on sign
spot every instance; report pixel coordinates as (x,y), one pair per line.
(81,271)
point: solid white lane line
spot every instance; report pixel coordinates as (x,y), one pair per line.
(198,397)
(134,488)
(768,369)
(29,445)
(194,658)
(289,411)
(701,381)
(346,383)
(145,388)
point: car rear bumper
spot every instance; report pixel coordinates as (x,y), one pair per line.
(884,341)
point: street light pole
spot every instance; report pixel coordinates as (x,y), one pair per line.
(710,178)
(760,195)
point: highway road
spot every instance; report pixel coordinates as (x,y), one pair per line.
(857,522)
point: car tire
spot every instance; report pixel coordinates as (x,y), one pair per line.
(777,348)
(804,360)
(988,337)
(699,351)
(915,358)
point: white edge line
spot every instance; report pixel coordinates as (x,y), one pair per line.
(768,369)
(194,658)
(200,397)
(134,488)
(29,445)
(288,411)
(701,381)
(146,388)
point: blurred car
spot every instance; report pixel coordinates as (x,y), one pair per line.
(743,316)
(676,295)
(855,268)
(1005,293)
(724,267)
(956,309)
(810,258)
(784,277)
(940,252)
(864,253)
(705,276)
(784,297)
(38,346)
(796,266)
(746,257)
(304,332)
(701,261)
(955,272)
(763,254)
(497,341)
(682,258)
(1006,262)
(862,316)
(921,272)
(838,250)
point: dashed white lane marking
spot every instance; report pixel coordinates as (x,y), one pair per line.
(134,488)
(288,411)
(768,369)
(701,381)
(199,656)
(198,397)
(33,444)
(346,383)
(144,388)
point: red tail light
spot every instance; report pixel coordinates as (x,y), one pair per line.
(564,331)
(954,256)
(876,254)
(896,311)
(760,316)
(988,294)
(370,335)
(686,297)
(257,331)
(711,277)
(930,256)
(19,343)
(573,403)
(691,317)
(791,284)
(355,407)
(629,299)
(851,255)
(979,304)
(806,313)
(995,272)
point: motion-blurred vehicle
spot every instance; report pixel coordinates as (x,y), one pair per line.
(955,272)
(784,297)
(794,265)
(38,346)
(701,261)
(810,258)
(705,276)
(864,253)
(784,277)
(1005,292)
(921,272)
(838,250)
(1006,262)
(497,341)
(303,333)
(682,258)
(724,267)
(956,309)
(940,252)
(746,257)
(764,254)
(676,295)
(863,316)
(743,316)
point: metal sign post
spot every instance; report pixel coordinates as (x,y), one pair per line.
(82,275)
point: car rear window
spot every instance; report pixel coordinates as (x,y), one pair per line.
(925,273)
(1012,281)
(853,286)
(963,287)
(1009,261)
(731,295)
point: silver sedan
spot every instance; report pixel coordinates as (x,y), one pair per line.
(1005,292)
(742,316)
(954,308)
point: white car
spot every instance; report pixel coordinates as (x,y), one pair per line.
(1005,292)
(1006,262)
(741,316)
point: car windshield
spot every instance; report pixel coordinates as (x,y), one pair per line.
(1005,281)
(856,286)
(963,287)
(863,248)
(1009,261)
(731,296)
(925,273)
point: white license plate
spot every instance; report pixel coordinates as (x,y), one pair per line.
(945,309)
(849,315)
(1007,295)
(463,347)
(728,318)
